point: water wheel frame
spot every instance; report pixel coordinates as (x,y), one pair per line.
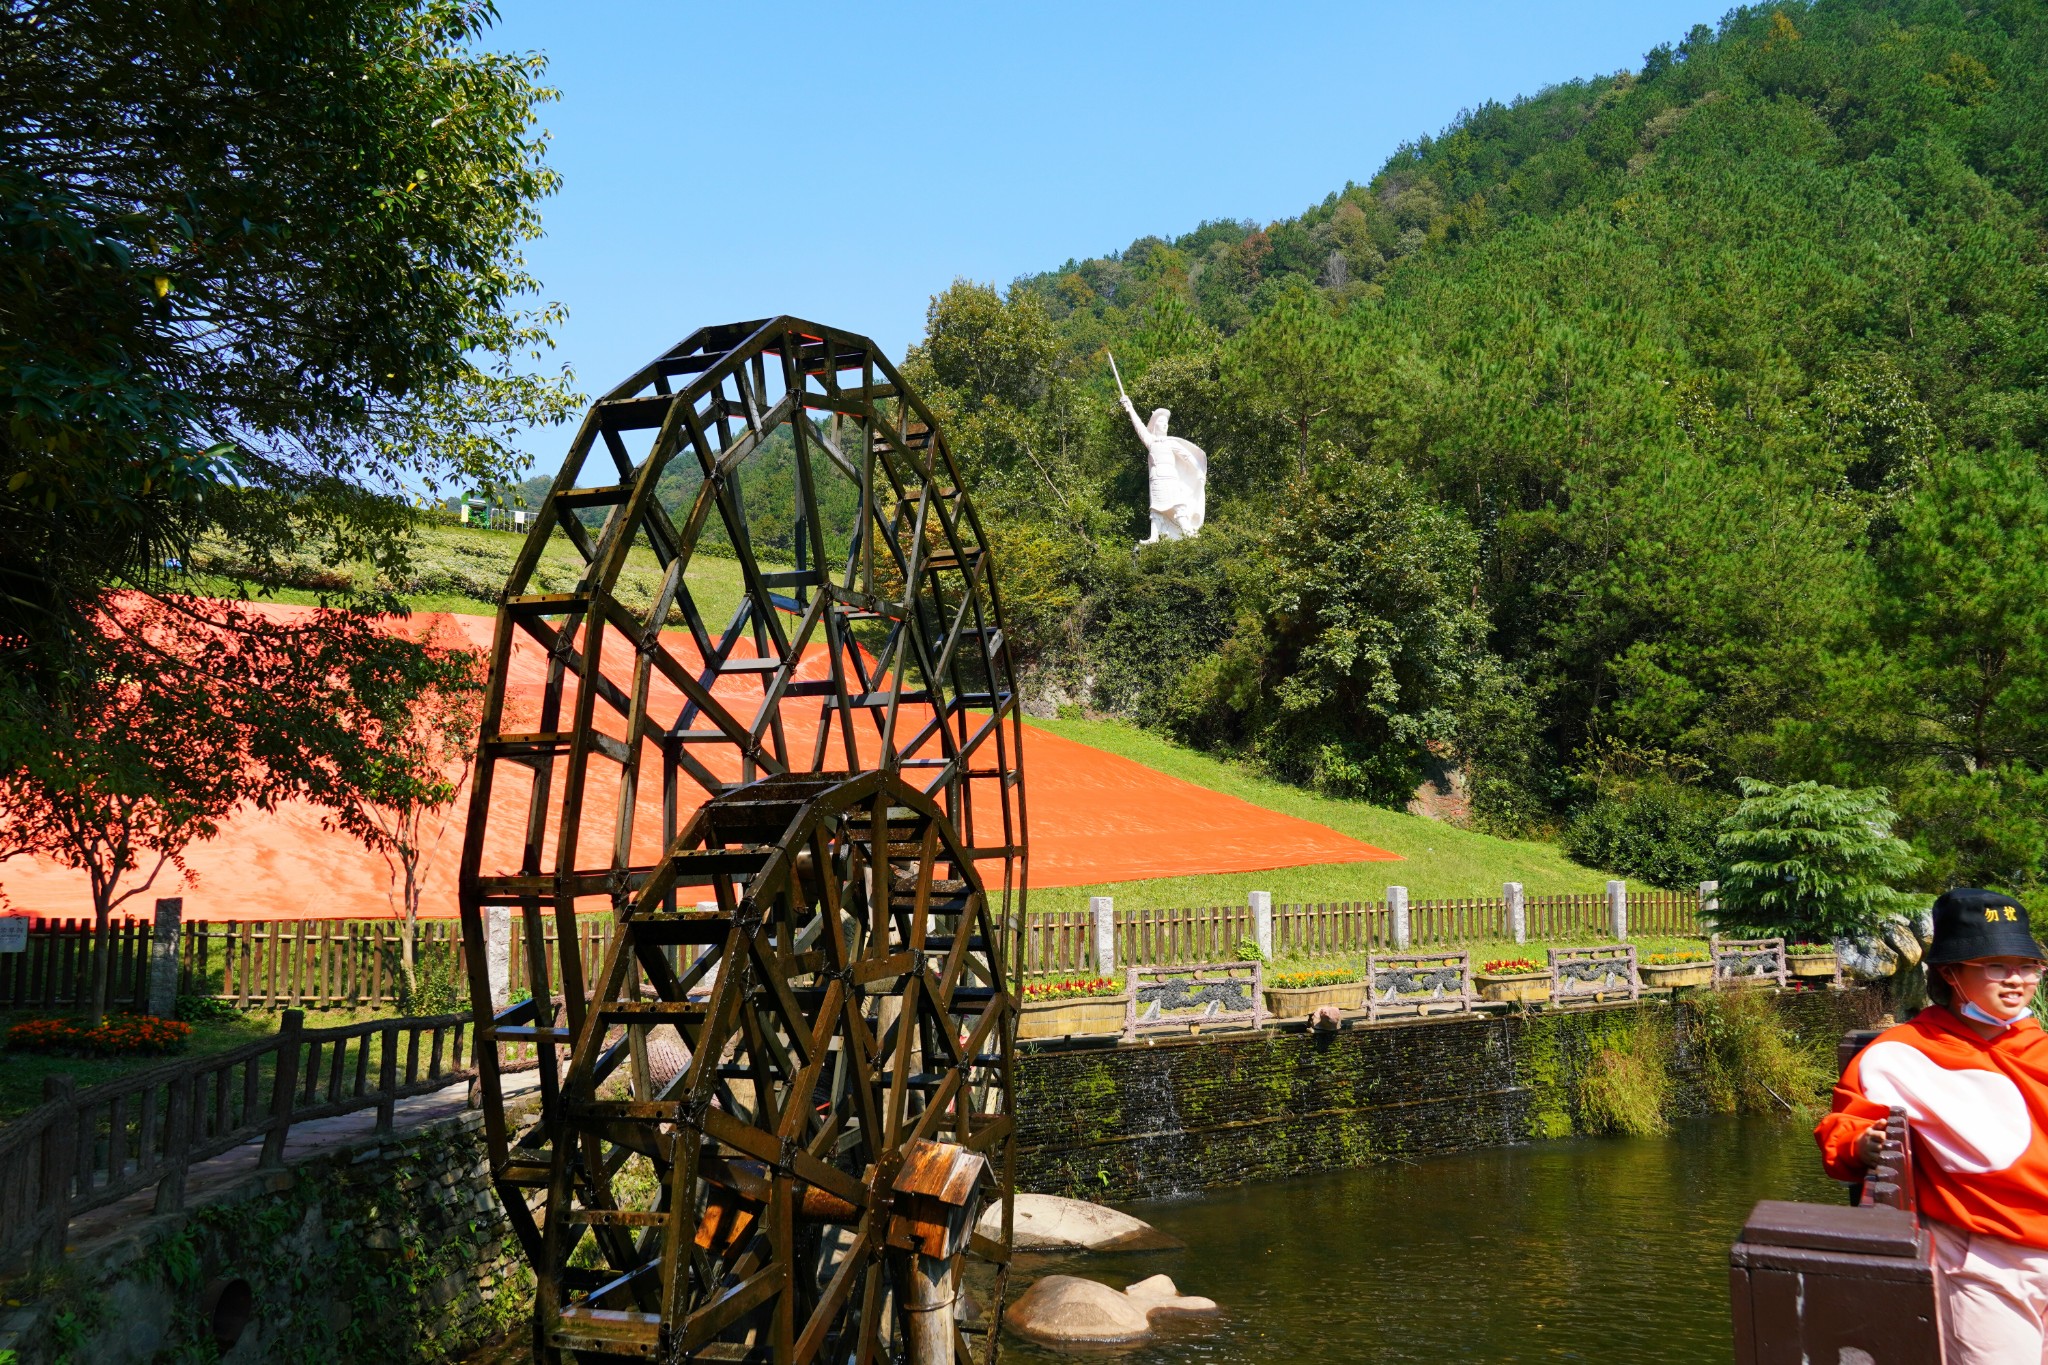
(776,1149)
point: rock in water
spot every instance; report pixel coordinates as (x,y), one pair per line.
(1046,1222)
(1067,1309)
(1158,1295)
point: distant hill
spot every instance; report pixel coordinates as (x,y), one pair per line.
(1659,429)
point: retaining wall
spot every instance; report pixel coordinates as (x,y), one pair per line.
(1148,1120)
(391,1250)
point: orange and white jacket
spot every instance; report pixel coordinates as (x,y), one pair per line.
(1979,1114)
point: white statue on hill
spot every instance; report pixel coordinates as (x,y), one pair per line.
(1179,473)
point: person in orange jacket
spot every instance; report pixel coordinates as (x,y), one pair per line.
(1971,1071)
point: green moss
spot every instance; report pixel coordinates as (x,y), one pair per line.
(1540,1065)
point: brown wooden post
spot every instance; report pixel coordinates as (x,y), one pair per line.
(387,1078)
(284,1085)
(177,1138)
(60,1151)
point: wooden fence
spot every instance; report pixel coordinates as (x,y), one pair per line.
(324,963)
(85,1149)
(262,963)
(1064,940)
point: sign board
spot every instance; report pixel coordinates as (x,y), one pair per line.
(13,933)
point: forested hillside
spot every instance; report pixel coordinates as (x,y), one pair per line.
(1654,431)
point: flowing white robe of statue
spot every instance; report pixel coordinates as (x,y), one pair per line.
(1178,475)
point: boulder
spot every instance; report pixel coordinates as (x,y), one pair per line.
(1866,959)
(1046,1222)
(1899,937)
(1158,1295)
(1066,1309)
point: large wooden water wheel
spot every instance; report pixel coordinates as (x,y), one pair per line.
(774,1114)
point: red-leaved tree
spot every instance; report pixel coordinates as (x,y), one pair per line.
(189,710)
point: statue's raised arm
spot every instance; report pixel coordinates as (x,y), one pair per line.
(1137,422)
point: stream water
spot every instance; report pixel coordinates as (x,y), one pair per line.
(1611,1250)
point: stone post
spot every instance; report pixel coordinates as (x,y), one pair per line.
(163,958)
(1710,899)
(1262,922)
(1397,911)
(1617,910)
(498,953)
(1102,915)
(1518,914)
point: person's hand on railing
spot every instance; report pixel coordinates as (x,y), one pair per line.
(1870,1145)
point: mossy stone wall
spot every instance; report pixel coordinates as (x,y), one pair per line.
(388,1251)
(1147,1120)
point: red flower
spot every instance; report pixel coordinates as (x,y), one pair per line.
(122,1034)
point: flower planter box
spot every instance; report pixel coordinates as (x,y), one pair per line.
(1087,1014)
(1299,1002)
(1812,966)
(1515,987)
(1674,974)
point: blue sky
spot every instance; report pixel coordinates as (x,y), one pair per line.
(846,162)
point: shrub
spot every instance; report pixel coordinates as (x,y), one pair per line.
(122,1035)
(1512,966)
(1295,981)
(205,1009)
(1248,950)
(1072,988)
(1660,831)
(1751,1062)
(437,989)
(1626,1084)
(1810,861)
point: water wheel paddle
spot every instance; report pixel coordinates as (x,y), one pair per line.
(770,1116)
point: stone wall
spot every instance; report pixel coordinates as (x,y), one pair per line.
(388,1251)
(1142,1121)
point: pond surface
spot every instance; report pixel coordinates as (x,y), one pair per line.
(1608,1250)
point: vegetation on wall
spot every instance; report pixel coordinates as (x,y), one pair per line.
(1657,430)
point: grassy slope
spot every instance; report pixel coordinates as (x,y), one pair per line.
(461,566)
(1440,860)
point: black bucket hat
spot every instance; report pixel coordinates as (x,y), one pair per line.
(1969,923)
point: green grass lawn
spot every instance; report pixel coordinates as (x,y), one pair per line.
(1439,860)
(22,1073)
(461,568)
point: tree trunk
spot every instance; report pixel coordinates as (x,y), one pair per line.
(102,960)
(408,934)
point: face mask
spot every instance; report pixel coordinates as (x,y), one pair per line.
(1969,1010)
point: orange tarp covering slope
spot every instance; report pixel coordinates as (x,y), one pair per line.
(1095,817)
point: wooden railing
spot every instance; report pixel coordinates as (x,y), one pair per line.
(84,1149)
(1064,940)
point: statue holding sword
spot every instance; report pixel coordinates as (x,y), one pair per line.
(1179,472)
